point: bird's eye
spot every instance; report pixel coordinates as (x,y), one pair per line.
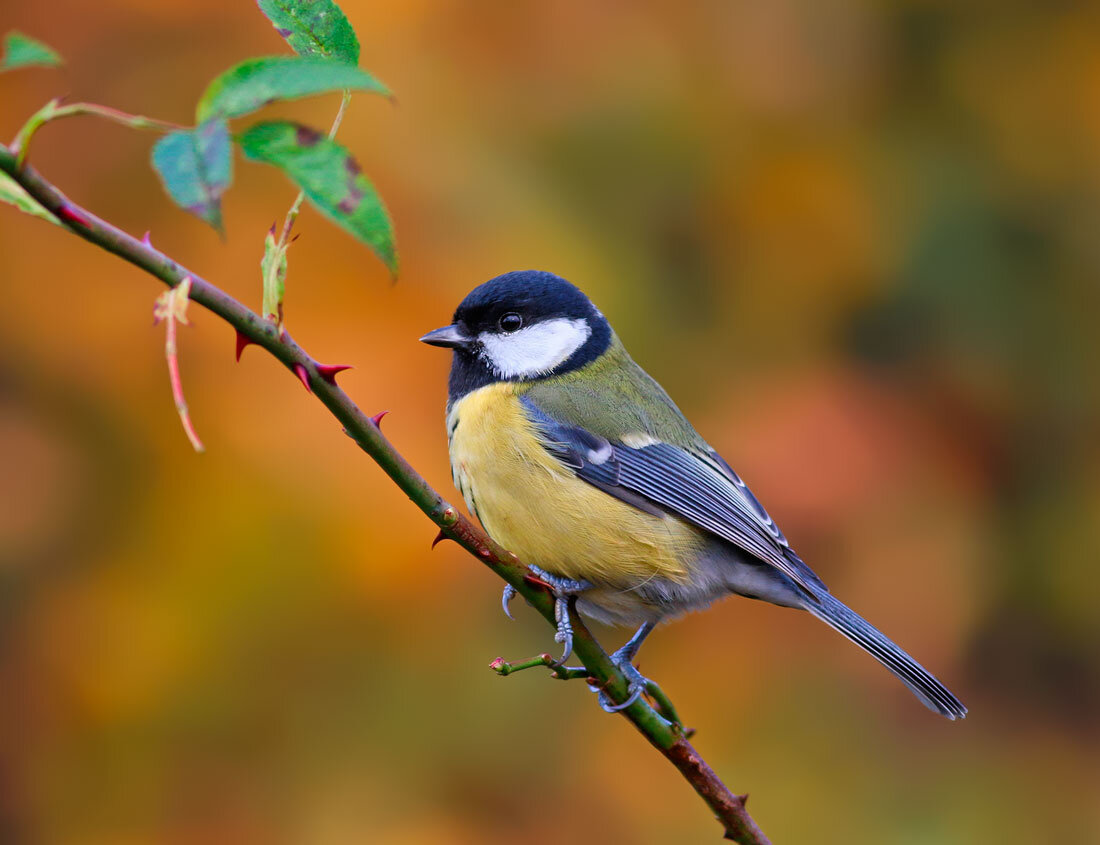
(510,322)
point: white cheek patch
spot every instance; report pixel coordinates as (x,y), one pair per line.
(535,350)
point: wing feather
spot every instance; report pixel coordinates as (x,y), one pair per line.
(697,487)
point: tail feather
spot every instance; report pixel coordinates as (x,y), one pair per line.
(930,691)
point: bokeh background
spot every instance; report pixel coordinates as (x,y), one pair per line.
(856,241)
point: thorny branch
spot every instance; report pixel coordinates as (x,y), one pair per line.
(661,732)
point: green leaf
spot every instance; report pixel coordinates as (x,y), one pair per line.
(196,167)
(313,28)
(273,268)
(329,176)
(12,192)
(256,82)
(21,51)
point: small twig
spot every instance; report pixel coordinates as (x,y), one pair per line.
(664,705)
(296,206)
(53,110)
(275,263)
(557,670)
(171,306)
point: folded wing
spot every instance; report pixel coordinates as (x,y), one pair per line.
(696,486)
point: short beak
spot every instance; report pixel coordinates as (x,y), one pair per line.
(451,337)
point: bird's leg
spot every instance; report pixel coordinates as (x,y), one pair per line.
(624,659)
(564,589)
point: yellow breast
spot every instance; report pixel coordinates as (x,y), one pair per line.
(532,505)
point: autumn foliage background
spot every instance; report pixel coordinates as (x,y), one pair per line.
(858,244)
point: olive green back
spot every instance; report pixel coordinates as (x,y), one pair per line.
(612,396)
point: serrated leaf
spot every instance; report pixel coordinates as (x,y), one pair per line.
(273,268)
(313,28)
(21,51)
(12,192)
(256,82)
(196,167)
(329,176)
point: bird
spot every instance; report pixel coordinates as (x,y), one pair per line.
(575,459)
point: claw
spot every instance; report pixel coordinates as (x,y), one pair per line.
(506,599)
(563,589)
(636,681)
(565,628)
(561,586)
(635,691)
(637,684)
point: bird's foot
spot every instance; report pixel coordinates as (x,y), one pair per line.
(563,589)
(636,681)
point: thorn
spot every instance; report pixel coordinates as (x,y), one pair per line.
(329,371)
(377,418)
(242,342)
(271,231)
(744,799)
(534,579)
(439,538)
(71,215)
(296,236)
(145,239)
(484,552)
(303,376)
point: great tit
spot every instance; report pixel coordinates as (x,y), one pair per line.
(574,458)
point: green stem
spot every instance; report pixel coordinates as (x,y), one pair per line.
(564,673)
(659,732)
(664,703)
(53,110)
(296,206)
(273,299)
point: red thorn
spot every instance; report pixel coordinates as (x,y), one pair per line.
(303,376)
(242,342)
(377,418)
(145,240)
(744,799)
(439,538)
(328,371)
(534,579)
(272,229)
(71,215)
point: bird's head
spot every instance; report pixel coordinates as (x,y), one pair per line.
(521,326)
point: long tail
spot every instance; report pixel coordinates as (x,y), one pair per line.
(930,691)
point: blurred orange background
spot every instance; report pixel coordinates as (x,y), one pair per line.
(857,242)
